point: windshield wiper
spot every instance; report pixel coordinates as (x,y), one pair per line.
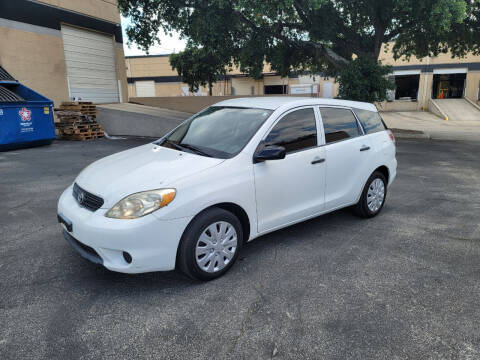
(174,145)
(195,149)
(182,147)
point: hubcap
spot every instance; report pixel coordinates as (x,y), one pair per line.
(216,246)
(375,195)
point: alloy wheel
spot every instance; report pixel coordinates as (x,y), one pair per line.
(375,195)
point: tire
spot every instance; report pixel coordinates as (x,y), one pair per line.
(362,208)
(204,257)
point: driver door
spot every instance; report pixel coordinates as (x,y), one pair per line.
(293,188)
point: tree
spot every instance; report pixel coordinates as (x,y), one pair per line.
(319,36)
(198,67)
(364,80)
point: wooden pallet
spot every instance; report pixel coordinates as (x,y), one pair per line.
(76,121)
(80,130)
(84,107)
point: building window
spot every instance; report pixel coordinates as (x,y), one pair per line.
(406,87)
(275,89)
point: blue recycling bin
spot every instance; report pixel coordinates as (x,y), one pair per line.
(26,117)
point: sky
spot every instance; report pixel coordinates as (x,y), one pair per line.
(169,44)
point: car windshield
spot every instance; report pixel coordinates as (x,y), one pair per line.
(220,132)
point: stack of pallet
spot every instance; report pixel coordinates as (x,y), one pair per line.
(77,121)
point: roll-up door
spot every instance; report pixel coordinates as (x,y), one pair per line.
(90,60)
(145,88)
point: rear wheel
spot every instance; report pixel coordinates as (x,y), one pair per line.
(373,196)
(210,244)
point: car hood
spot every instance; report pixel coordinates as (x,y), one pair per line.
(142,168)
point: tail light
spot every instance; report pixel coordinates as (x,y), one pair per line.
(390,134)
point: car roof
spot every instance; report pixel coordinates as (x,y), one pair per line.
(275,102)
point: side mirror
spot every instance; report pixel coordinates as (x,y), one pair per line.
(269,152)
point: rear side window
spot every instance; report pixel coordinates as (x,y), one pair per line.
(370,120)
(295,131)
(339,124)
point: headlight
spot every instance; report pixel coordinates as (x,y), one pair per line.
(141,204)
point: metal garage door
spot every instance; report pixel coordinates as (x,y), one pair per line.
(145,88)
(90,59)
(242,86)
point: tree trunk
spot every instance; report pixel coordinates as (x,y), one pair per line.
(379,36)
(210,87)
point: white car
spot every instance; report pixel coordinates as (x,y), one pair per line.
(235,171)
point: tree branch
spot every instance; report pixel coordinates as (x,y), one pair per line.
(332,57)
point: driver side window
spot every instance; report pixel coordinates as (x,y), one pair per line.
(296,131)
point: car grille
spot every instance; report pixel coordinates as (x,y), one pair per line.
(86,199)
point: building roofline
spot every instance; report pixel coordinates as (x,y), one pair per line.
(145,56)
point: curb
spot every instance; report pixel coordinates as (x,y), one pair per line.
(409,134)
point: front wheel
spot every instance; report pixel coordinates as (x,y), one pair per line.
(373,196)
(210,244)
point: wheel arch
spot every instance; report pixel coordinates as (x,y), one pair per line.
(384,170)
(236,210)
(240,213)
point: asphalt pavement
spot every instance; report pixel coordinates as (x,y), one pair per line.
(402,285)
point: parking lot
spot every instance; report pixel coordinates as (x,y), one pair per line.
(402,285)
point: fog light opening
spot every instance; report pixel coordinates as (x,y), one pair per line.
(127,257)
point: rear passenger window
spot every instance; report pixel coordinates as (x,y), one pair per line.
(339,124)
(370,120)
(295,131)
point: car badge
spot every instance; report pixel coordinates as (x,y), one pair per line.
(81,197)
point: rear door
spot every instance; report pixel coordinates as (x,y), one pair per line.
(291,189)
(348,153)
(374,129)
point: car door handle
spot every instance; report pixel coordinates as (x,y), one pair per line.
(317,161)
(365,148)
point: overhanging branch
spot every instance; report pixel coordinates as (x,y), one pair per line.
(331,56)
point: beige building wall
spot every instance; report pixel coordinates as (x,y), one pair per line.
(121,73)
(472,82)
(102,9)
(159,66)
(386,56)
(34,55)
(43,69)
(149,66)
(473,86)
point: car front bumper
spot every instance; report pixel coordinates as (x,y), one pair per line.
(152,243)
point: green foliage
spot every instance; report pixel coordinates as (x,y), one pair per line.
(306,35)
(364,80)
(198,67)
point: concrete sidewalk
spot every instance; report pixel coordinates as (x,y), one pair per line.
(432,126)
